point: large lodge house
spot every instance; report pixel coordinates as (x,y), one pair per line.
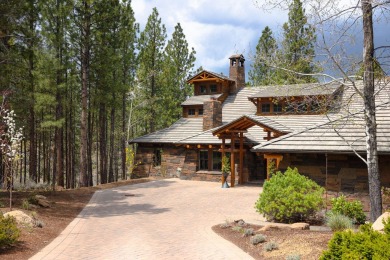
(318,128)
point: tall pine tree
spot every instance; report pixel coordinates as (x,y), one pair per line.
(151,45)
(178,66)
(261,73)
(298,46)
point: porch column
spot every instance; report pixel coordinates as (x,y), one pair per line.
(240,180)
(232,168)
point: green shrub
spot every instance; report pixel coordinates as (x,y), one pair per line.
(271,246)
(9,232)
(365,244)
(351,209)
(248,232)
(338,222)
(25,204)
(289,197)
(259,238)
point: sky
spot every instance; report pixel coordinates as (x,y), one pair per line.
(219,28)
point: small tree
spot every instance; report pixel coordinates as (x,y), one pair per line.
(289,197)
(225,164)
(10,143)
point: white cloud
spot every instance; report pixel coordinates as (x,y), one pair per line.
(216,29)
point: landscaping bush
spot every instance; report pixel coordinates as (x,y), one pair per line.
(338,222)
(289,197)
(365,244)
(9,232)
(271,246)
(259,238)
(351,209)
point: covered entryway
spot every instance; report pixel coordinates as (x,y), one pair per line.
(238,145)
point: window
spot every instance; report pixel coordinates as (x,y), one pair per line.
(217,161)
(278,108)
(203,89)
(213,88)
(200,112)
(265,108)
(191,112)
(203,160)
(157,157)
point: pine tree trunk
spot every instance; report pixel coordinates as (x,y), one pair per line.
(374,183)
(89,152)
(112,130)
(103,142)
(123,139)
(85,56)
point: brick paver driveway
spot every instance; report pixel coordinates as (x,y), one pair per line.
(165,219)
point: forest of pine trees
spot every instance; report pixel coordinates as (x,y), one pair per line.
(83,79)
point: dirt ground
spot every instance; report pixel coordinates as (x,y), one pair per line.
(305,243)
(65,206)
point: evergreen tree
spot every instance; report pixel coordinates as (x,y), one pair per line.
(151,45)
(298,46)
(261,73)
(178,66)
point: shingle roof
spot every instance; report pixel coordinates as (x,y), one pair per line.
(343,132)
(260,121)
(310,89)
(199,100)
(342,135)
(181,129)
(307,132)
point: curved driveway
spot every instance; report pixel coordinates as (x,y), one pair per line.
(165,219)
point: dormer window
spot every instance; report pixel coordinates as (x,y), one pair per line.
(203,89)
(265,108)
(213,88)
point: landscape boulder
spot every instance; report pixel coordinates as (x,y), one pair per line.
(42,201)
(21,217)
(378,224)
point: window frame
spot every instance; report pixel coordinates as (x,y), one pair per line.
(192,110)
(203,89)
(263,105)
(203,160)
(216,161)
(157,157)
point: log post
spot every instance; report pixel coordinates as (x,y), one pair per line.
(240,180)
(232,168)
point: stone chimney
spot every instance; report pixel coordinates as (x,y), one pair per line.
(237,72)
(212,114)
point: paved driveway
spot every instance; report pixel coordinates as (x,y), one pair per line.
(165,219)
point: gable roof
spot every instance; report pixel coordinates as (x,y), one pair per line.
(247,121)
(205,75)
